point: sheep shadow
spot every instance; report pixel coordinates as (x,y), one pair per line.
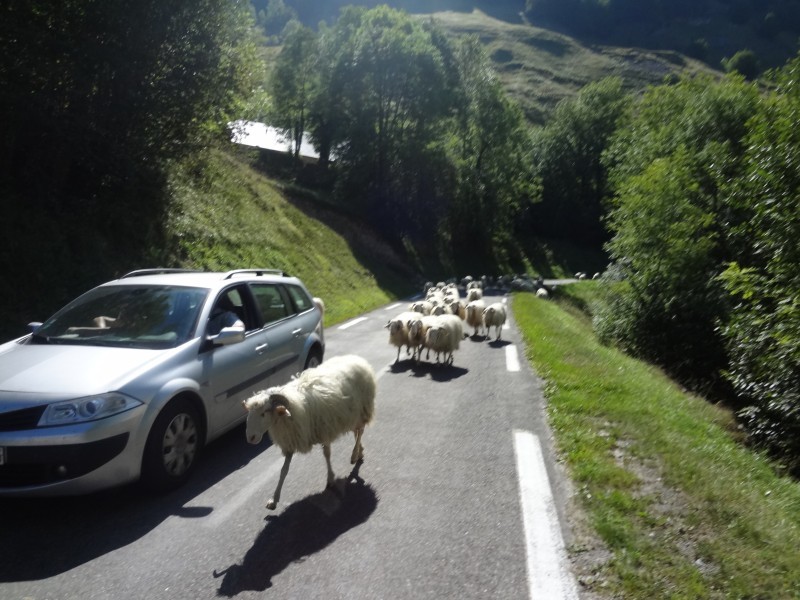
(499,343)
(304,528)
(438,371)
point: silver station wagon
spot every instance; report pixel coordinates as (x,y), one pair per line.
(133,378)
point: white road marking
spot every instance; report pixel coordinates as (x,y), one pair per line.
(393,306)
(353,322)
(549,576)
(222,514)
(512,358)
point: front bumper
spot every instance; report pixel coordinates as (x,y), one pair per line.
(77,459)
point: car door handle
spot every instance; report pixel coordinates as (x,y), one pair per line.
(297,332)
(260,349)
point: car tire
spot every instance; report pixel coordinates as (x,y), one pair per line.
(314,359)
(173,447)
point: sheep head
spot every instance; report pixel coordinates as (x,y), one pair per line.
(263,409)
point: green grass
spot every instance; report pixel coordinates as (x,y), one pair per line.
(539,67)
(233,217)
(684,508)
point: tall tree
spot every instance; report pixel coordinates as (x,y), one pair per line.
(670,219)
(763,333)
(567,162)
(388,92)
(492,153)
(291,82)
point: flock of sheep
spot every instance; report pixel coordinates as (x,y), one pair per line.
(319,405)
(436,324)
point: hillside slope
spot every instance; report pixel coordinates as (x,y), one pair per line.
(540,67)
(231,216)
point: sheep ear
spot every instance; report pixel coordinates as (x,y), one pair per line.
(244,404)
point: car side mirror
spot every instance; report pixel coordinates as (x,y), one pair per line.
(227,336)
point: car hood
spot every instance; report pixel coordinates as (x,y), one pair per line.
(69,371)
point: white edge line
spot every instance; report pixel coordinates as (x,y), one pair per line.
(353,322)
(549,575)
(512,359)
(393,306)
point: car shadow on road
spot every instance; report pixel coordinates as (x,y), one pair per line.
(304,528)
(43,537)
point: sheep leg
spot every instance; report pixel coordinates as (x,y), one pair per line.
(273,502)
(358,449)
(326,450)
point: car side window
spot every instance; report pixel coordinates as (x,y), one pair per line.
(270,302)
(299,298)
(228,311)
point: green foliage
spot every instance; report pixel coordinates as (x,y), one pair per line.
(671,219)
(276,17)
(567,162)
(99,97)
(491,150)
(291,83)
(427,145)
(763,333)
(745,62)
(684,509)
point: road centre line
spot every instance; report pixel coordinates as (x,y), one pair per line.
(549,575)
(512,359)
(393,306)
(353,322)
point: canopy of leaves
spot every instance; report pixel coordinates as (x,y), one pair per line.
(427,146)
(670,218)
(97,97)
(567,157)
(763,334)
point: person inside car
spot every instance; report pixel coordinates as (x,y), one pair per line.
(223,315)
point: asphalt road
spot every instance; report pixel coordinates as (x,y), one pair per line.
(452,501)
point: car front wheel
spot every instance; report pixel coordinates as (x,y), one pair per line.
(172,447)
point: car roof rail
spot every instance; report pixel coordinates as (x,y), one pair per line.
(259,272)
(157,271)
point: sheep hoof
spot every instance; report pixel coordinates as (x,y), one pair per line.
(271,504)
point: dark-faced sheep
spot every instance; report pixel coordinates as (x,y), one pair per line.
(316,407)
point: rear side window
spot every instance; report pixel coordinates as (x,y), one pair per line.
(299,297)
(270,302)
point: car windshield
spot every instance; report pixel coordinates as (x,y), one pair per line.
(146,316)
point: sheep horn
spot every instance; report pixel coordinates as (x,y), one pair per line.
(278,404)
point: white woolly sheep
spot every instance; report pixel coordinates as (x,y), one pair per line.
(494,316)
(474,293)
(542,293)
(398,330)
(316,407)
(416,334)
(474,312)
(444,336)
(421,306)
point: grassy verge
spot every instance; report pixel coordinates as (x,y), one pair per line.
(685,510)
(234,217)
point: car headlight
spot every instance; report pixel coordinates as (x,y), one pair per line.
(86,409)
